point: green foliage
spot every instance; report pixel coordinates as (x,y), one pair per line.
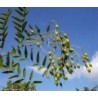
(59,56)
(20,23)
(25,86)
(3,27)
(95,88)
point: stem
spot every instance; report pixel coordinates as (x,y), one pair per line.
(43,49)
(78,48)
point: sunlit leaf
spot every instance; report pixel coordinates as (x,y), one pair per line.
(40,68)
(45,72)
(31,29)
(15,64)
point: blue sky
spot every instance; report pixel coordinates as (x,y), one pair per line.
(81,25)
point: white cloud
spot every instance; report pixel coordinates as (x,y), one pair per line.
(94,73)
(82,72)
(93,76)
(35,68)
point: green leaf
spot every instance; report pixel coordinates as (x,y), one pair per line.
(35,64)
(37,28)
(7,72)
(1,23)
(2,45)
(1,62)
(2,18)
(13,50)
(3,39)
(19,35)
(27,33)
(60,84)
(22,59)
(14,76)
(21,8)
(25,52)
(18,69)
(24,72)
(40,68)
(9,13)
(18,29)
(25,12)
(16,19)
(17,24)
(4,31)
(31,76)
(19,51)
(49,65)
(15,64)
(17,40)
(41,37)
(37,57)
(31,29)
(8,60)
(36,82)
(24,25)
(18,12)
(1,28)
(48,28)
(16,56)
(45,72)
(31,55)
(18,81)
(44,61)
